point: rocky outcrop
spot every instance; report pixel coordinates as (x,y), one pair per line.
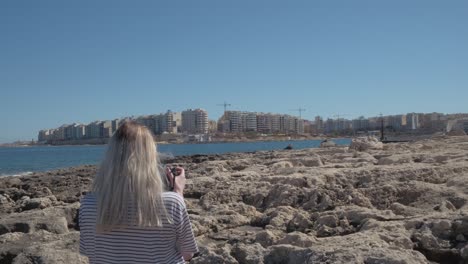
(402,203)
(327,143)
(365,143)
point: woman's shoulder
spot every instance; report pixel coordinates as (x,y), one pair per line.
(173,197)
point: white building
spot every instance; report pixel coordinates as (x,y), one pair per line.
(195,121)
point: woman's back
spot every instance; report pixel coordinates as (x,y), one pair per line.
(134,244)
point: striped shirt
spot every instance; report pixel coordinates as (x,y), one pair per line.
(135,244)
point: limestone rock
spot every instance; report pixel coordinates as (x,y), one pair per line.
(327,144)
(365,143)
(403,203)
(248,254)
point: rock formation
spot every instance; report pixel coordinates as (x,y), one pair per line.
(399,203)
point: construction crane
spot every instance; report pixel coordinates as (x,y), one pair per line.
(225,105)
(300,110)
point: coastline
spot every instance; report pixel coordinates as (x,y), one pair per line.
(179,143)
(395,203)
(65,156)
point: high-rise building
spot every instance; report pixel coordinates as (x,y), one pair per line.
(249,121)
(412,121)
(115,124)
(195,121)
(105,129)
(79,131)
(93,130)
(319,124)
(360,124)
(394,121)
(45,135)
(264,123)
(171,122)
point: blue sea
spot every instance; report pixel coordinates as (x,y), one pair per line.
(25,160)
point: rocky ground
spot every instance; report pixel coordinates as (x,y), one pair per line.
(368,203)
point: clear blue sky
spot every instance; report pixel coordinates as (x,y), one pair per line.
(79,61)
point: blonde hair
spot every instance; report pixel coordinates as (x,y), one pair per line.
(129,175)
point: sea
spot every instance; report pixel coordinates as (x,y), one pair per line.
(15,161)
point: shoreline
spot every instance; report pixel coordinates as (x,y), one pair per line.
(179,143)
(169,155)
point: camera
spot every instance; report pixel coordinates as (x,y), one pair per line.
(174,171)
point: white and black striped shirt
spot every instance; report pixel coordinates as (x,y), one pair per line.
(137,244)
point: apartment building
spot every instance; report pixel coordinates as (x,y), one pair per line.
(93,129)
(195,121)
(319,124)
(79,131)
(171,122)
(360,124)
(395,122)
(264,123)
(115,124)
(105,129)
(45,135)
(412,121)
(249,121)
(237,122)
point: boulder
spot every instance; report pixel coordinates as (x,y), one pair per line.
(248,254)
(327,144)
(365,143)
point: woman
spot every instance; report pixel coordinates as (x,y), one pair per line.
(128,218)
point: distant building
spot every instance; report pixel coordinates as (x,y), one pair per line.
(79,131)
(319,124)
(275,123)
(395,122)
(412,121)
(115,124)
(360,124)
(93,130)
(171,122)
(264,123)
(45,135)
(458,124)
(433,122)
(195,121)
(105,129)
(59,133)
(249,121)
(212,126)
(234,121)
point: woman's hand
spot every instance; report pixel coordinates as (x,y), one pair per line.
(178,184)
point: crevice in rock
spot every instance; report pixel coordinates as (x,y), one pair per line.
(442,256)
(193,195)
(7,258)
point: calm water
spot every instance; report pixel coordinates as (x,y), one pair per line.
(23,160)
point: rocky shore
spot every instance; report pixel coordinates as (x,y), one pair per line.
(367,203)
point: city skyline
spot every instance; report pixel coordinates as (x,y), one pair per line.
(196,121)
(100,60)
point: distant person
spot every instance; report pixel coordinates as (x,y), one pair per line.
(128,217)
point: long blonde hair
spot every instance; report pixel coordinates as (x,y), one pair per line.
(129,175)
